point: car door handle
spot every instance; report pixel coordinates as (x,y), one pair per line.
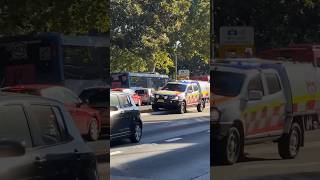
(40,161)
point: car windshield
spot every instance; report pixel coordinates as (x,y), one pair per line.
(175,87)
(114,102)
(227,83)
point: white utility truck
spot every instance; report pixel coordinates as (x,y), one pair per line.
(255,100)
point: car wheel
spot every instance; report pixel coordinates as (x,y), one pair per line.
(93,133)
(182,108)
(200,106)
(228,150)
(136,133)
(139,103)
(155,108)
(289,144)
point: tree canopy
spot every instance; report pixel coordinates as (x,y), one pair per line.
(276,23)
(144,34)
(68,17)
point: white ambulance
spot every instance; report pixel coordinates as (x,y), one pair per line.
(255,101)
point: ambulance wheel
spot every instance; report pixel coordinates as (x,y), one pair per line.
(289,144)
(200,106)
(228,150)
(182,108)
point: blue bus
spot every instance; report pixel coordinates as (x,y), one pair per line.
(77,62)
(143,80)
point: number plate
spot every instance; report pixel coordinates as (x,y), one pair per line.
(160,100)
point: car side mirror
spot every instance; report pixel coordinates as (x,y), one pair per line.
(255,95)
(11,148)
(114,108)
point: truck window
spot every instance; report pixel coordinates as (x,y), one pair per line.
(273,83)
(195,87)
(256,84)
(227,83)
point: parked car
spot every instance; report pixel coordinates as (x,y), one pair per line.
(98,98)
(86,119)
(39,140)
(146,94)
(125,120)
(136,98)
(179,96)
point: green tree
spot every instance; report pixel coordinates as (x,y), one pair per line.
(69,17)
(149,30)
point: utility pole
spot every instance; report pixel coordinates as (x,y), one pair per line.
(176,46)
(176,64)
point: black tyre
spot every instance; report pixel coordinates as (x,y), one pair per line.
(94,132)
(228,150)
(89,174)
(155,108)
(136,133)
(289,144)
(182,108)
(200,106)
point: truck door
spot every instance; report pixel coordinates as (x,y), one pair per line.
(254,108)
(266,117)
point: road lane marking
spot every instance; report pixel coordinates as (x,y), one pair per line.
(173,139)
(115,153)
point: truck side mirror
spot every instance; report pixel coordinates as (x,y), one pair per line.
(255,95)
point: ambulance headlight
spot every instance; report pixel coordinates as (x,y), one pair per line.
(175,98)
(215,114)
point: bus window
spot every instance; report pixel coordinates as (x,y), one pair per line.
(119,81)
(137,81)
(81,62)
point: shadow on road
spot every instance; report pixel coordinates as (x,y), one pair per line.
(291,176)
(245,159)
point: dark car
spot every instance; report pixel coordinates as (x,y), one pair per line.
(39,140)
(125,117)
(179,96)
(86,119)
(98,98)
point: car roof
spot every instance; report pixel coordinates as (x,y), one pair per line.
(7,97)
(33,86)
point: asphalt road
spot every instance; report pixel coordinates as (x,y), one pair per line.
(263,163)
(173,146)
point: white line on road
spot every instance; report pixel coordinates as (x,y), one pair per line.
(115,153)
(173,139)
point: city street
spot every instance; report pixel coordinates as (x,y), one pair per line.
(263,163)
(173,146)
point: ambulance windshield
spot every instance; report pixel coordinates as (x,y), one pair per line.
(227,83)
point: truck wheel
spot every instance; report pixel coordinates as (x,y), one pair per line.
(93,133)
(228,150)
(289,144)
(200,106)
(182,108)
(136,133)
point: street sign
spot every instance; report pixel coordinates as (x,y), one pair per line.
(183,72)
(236,35)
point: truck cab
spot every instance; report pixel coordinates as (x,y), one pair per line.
(251,103)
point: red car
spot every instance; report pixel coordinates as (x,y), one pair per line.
(136,98)
(86,119)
